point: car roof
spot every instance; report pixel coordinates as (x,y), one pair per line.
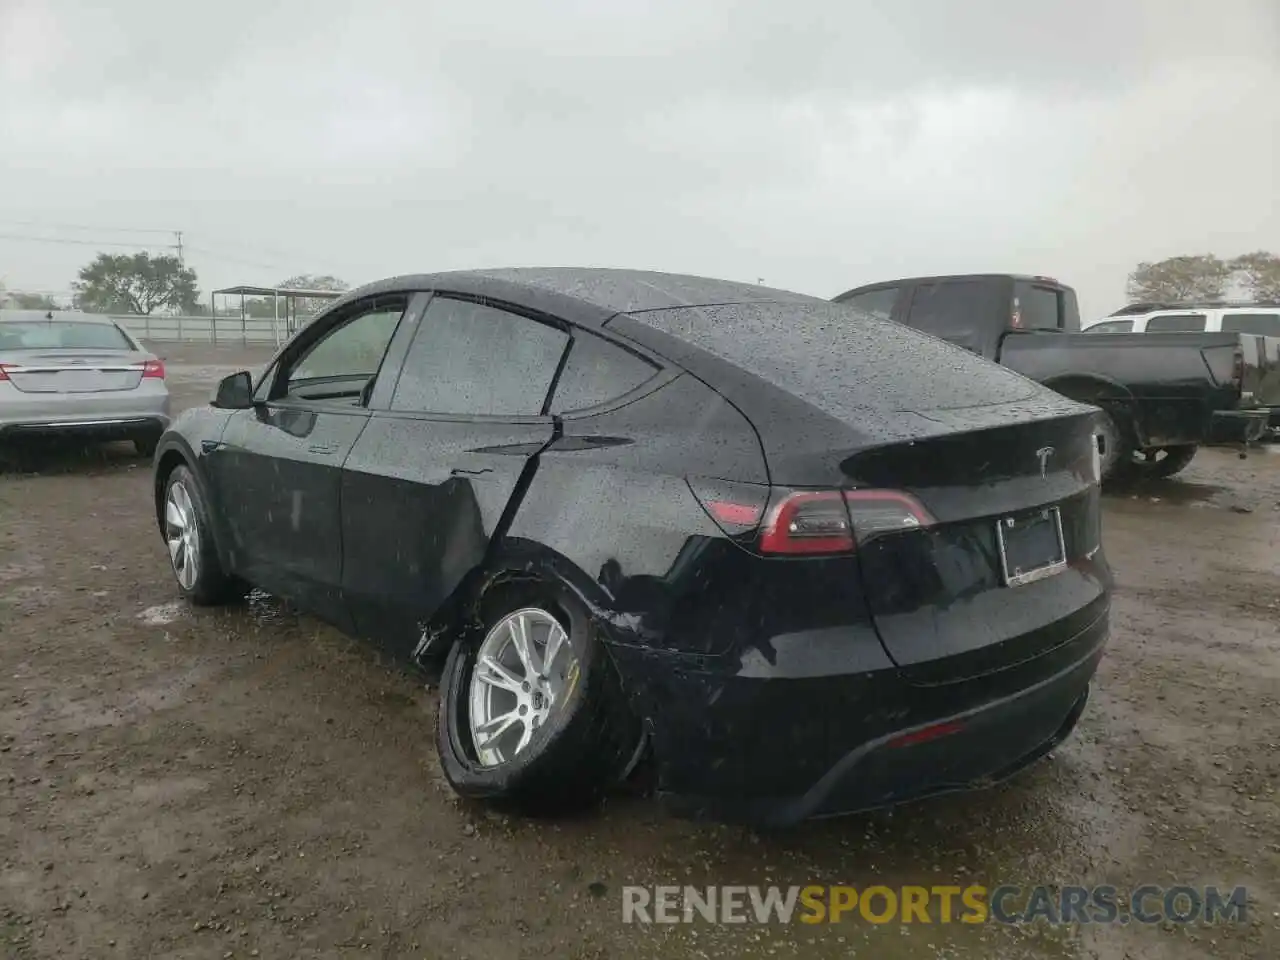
(584,295)
(54,316)
(880,284)
(1197,306)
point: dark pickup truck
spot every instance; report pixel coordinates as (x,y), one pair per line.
(1161,395)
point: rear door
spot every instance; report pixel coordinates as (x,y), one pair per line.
(446,451)
(277,471)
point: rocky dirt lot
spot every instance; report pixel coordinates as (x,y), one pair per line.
(247,783)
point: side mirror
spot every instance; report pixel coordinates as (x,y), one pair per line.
(234,392)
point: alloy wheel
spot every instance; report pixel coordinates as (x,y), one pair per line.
(524,672)
(182,534)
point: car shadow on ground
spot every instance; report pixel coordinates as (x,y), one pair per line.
(1173,489)
(46,456)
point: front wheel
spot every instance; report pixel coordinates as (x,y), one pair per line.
(188,538)
(531,708)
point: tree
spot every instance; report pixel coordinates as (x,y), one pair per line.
(1261,274)
(33,301)
(135,283)
(311,281)
(1177,279)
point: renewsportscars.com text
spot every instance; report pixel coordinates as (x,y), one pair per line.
(973,904)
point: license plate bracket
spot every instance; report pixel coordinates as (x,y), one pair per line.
(1031,546)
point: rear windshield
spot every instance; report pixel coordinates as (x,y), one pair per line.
(62,335)
(1267,324)
(839,360)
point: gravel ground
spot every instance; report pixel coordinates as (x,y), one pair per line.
(246,782)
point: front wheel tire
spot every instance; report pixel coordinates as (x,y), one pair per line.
(188,536)
(531,711)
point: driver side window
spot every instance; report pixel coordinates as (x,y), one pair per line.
(345,360)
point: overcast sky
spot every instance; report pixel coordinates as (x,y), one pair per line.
(816,145)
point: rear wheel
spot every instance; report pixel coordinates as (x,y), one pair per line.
(1161,462)
(531,708)
(189,540)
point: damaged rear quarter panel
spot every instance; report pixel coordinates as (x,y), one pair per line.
(610,497)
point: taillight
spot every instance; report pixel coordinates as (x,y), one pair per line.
(4,372)
(807,522)
(153,368)
(1226,365)
(834,521)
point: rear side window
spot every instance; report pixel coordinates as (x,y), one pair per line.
(1267,324)
(469,358)
(878,303)
(1176,323)
(1112,326)
(62,335)
(597,371)
(1037,308)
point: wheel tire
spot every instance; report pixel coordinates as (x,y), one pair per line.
(146,446)
(211,584)
(1117,450)
(572,759)
(1175,459)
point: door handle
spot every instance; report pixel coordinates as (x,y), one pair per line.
(462,472)
(323,448)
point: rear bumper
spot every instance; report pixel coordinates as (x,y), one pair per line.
(144,410)
(981,734)
(1239,426)
(114,428)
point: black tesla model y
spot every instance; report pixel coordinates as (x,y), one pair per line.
(797,560)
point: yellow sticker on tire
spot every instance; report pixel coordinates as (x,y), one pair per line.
(571,681)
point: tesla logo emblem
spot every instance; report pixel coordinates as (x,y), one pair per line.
(1043,455)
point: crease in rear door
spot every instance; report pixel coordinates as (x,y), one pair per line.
(423,502)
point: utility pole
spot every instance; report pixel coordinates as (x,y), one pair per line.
(178,236)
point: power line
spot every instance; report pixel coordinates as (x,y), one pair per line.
(179,245)
(72,226)
(83,243)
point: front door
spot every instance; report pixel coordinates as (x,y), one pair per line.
(278,469)
(441,461)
